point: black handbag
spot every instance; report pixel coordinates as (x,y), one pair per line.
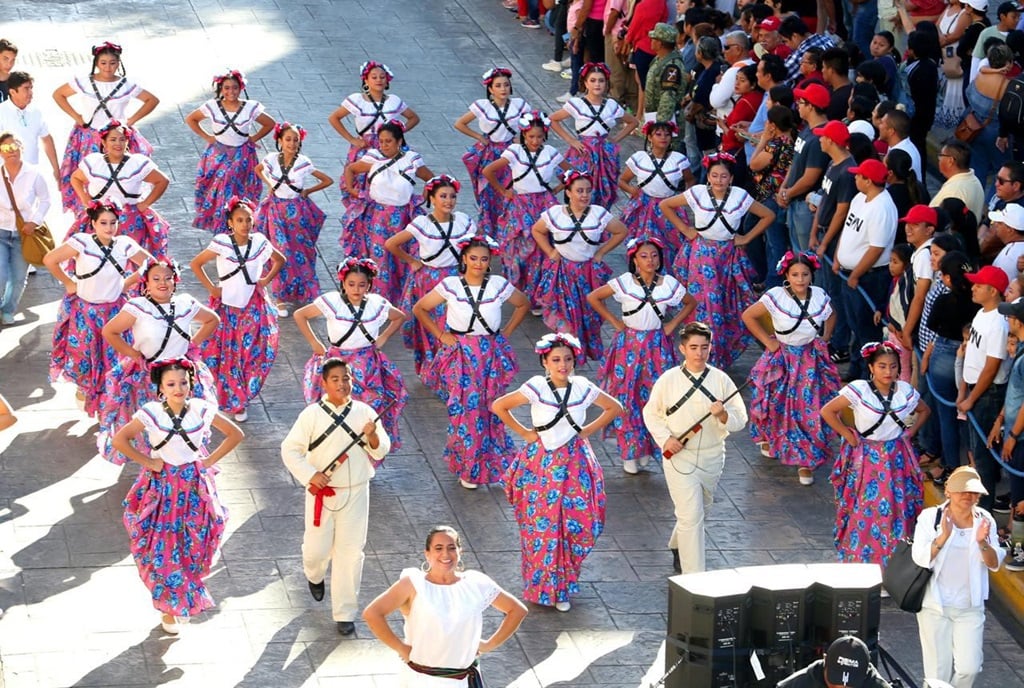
(903,579)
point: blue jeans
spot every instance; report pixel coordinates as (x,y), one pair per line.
(861,317)
(833,286)
(986,159)
(985,411)
(800,218)
(943,436)
(776,241)
(1017,484)
(13,271)
(864,24)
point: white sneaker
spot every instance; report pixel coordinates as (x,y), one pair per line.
(468,485)
(563,606)
(565,74)
(31,270)
(806,476)
(629,466)
(564,98)
(552,66)
(566,62)
(645,460)
(282,310)
(242,416)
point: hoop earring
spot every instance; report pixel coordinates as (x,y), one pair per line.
(366,88)
(425,566)
(460,567)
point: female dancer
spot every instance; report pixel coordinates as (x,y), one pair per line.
(570,236)
(642,348)
(355,320)
(555,484)
(370,110)
(876,478)
(115,177)
(475,363)
(174,518)
(794,375)
(390,203)
(156,326)
(718,273)
(244,345)
(289,218)
(659,173)
(496,117)
(436,234)
(95,292)
(107,95)
(227,168)
(594,115)
(533,166)
(443,608)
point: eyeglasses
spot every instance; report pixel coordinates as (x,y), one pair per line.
(803,102)
(999,180)
(944,155)
(9,147)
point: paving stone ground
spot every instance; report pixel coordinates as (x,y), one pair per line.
(76,613)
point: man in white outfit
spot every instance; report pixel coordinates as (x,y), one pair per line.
(680,398)
(336,518)
(736,51)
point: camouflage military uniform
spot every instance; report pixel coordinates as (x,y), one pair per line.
(667,82)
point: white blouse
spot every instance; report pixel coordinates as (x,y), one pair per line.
(196,424)
(392,183)
(151,326)
(430,238)
(630,295)
(710,224)
(576,245)
(341,319)
(243,122)
(366,115)
(499,125)
(544,407)
(297,177)
(867,408)
(236,290)
(785,314)
(642,164)
(118,95)
(106,285)
(32,196)
(593,120)
(528,170)
(459,311)
(105,182)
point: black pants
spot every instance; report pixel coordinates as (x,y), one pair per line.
(593,40)
(560,14)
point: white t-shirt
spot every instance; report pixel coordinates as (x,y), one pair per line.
(392,180)
(235,289)
(130,179)
(298,176)
(106,285)
(243,125)
(367,116)
(489,299)
(989,330)
(341,319)
(524,179)
(118,95)
(630,295)
(1007,259)
(196,424)
(921,262)
(712,225)
(151,325)
(578,245)
(868,224)
(593,120)
(642,164)
(867,408)
(544,407)
(429,235)
(27,126)
(785,312)
(907,146)
(498,126)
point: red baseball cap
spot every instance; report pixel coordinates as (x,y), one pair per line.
(922,213)
(875,170)
(815,94)
(835,130)
(772,23)
(990,275)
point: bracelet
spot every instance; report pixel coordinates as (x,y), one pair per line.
(984,546)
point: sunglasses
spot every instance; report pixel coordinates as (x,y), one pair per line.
(9,147)
(999,180)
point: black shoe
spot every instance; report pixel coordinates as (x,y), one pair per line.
(316,590)
(941,480)
(346,627)
(676,566)
(1001,505)
(838,356)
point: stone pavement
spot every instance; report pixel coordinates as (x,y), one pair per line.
(76,613)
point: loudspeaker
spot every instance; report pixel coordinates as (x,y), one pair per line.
(782,609)
(847,601)
(708,628)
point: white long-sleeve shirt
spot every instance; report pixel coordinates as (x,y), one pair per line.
(31,195)
(671,387)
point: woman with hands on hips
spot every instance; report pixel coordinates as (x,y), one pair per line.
(443,609)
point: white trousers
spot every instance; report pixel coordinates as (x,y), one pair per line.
(951,644)
(692,478)
(339,541)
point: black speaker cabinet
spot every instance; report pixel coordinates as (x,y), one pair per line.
(708,627)
(781,615)
(847,601)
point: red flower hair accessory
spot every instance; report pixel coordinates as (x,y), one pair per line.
(106,46)
(714,158)
(439,181)
(350,263)
(281,127)
(492,74)
(480,240)
(589,67)
(649,127)
(556,339)
(634,244)
(235,202)
(569,176)
(531,119)
(367,67)
(230,74)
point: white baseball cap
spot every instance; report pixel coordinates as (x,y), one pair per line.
(980,5)
(1012,216)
